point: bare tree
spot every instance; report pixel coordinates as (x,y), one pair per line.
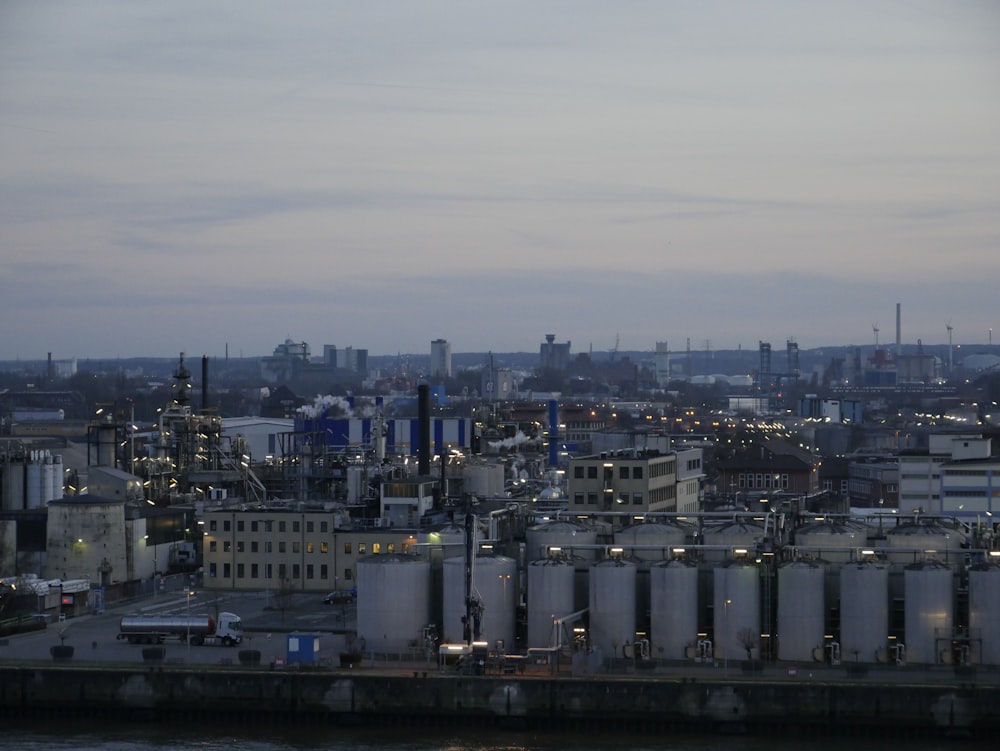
(747,639)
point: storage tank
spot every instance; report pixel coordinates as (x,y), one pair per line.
(573,538)
(393,602)
(801,609)
(864,611)
(494,581)
(673,604)
(612,606)
(56,491)
(13,476)
(45,481)
(33,487)
(736,610)
(550,596)
(831,539)
(909,542)
(447,541)
(729,535)
(929,595)
(651,541)
(984,614)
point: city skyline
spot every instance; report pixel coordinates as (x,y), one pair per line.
(181,177)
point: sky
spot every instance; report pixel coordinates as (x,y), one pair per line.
(216,177)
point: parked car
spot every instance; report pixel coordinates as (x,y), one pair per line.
(339,597)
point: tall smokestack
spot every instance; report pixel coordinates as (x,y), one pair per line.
(424,424)
(204,384)
(899,330)
(553,432)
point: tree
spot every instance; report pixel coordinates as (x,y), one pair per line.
(747,639)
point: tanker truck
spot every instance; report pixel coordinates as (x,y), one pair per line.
(200,629)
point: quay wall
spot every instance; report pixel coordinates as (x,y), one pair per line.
(354,697)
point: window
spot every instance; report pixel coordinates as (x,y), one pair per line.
(239,571)
(578,498)
(592,499)
(282,571)
(226,571)
(362,548)
(254,526)
(213,546)
(324,571)
(390,548)
(578,472)
(226,525)
(309,547)
(211,569)
(347,548)
(324,548)
(637,473)
(296,571)
(376,547)
(309,528)
(239,526)
(281,526)
(592,472)
(348,574)
(281,546)
(637,499)
(623,472)
(296,548)
(309,571)
(322,526)
(268,546)
(295,526)
(211,526)
(253,546)
(239,546)
(254,571)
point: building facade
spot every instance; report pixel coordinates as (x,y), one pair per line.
(622,481)
(440,359)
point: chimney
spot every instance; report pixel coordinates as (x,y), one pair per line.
(204,384)
(899,331)
(424,425)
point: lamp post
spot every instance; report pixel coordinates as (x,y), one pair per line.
(189,593)
(725,636)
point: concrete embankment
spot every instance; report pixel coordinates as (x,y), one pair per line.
(170,692)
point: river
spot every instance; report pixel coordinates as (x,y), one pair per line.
(140,737)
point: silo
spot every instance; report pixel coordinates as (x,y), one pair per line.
(56,491)
(910,542)
(984,614)
(45,480)
(929,594)
(729,535)
(33,486)
(612,606)
(832,540)
(650,541)
(550,596)
(736,611)
(864,611)
(13,485)
(673,603)
(494,583)
(572,538)
(393,602)
(801,607)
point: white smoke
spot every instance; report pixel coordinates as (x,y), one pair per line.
(323,403)
(509,443)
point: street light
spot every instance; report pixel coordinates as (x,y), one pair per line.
(725,635)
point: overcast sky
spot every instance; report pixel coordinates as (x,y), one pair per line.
(187,176)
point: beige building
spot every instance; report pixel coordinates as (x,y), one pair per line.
(285,549)
(626,481)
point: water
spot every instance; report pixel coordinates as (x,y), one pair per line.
(101,737)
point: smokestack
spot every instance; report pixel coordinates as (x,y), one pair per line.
(50,372)
(899,330)
(553,432)
(424,424)
(204,384)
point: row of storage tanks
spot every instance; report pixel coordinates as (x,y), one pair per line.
(32,480)
(567,571)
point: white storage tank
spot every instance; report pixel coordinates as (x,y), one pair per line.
(550,596)
(33,487)
(48,469)
(393,602)
(984,614)
(651,541)
(673,604)
(447,541)
(911,542)
(570,537)
(801,608)
(736,610)
(928,605)
(864,611)
(830,539)
(56,491)
(12,477)
(494,581)
(730,535)
(612,607)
